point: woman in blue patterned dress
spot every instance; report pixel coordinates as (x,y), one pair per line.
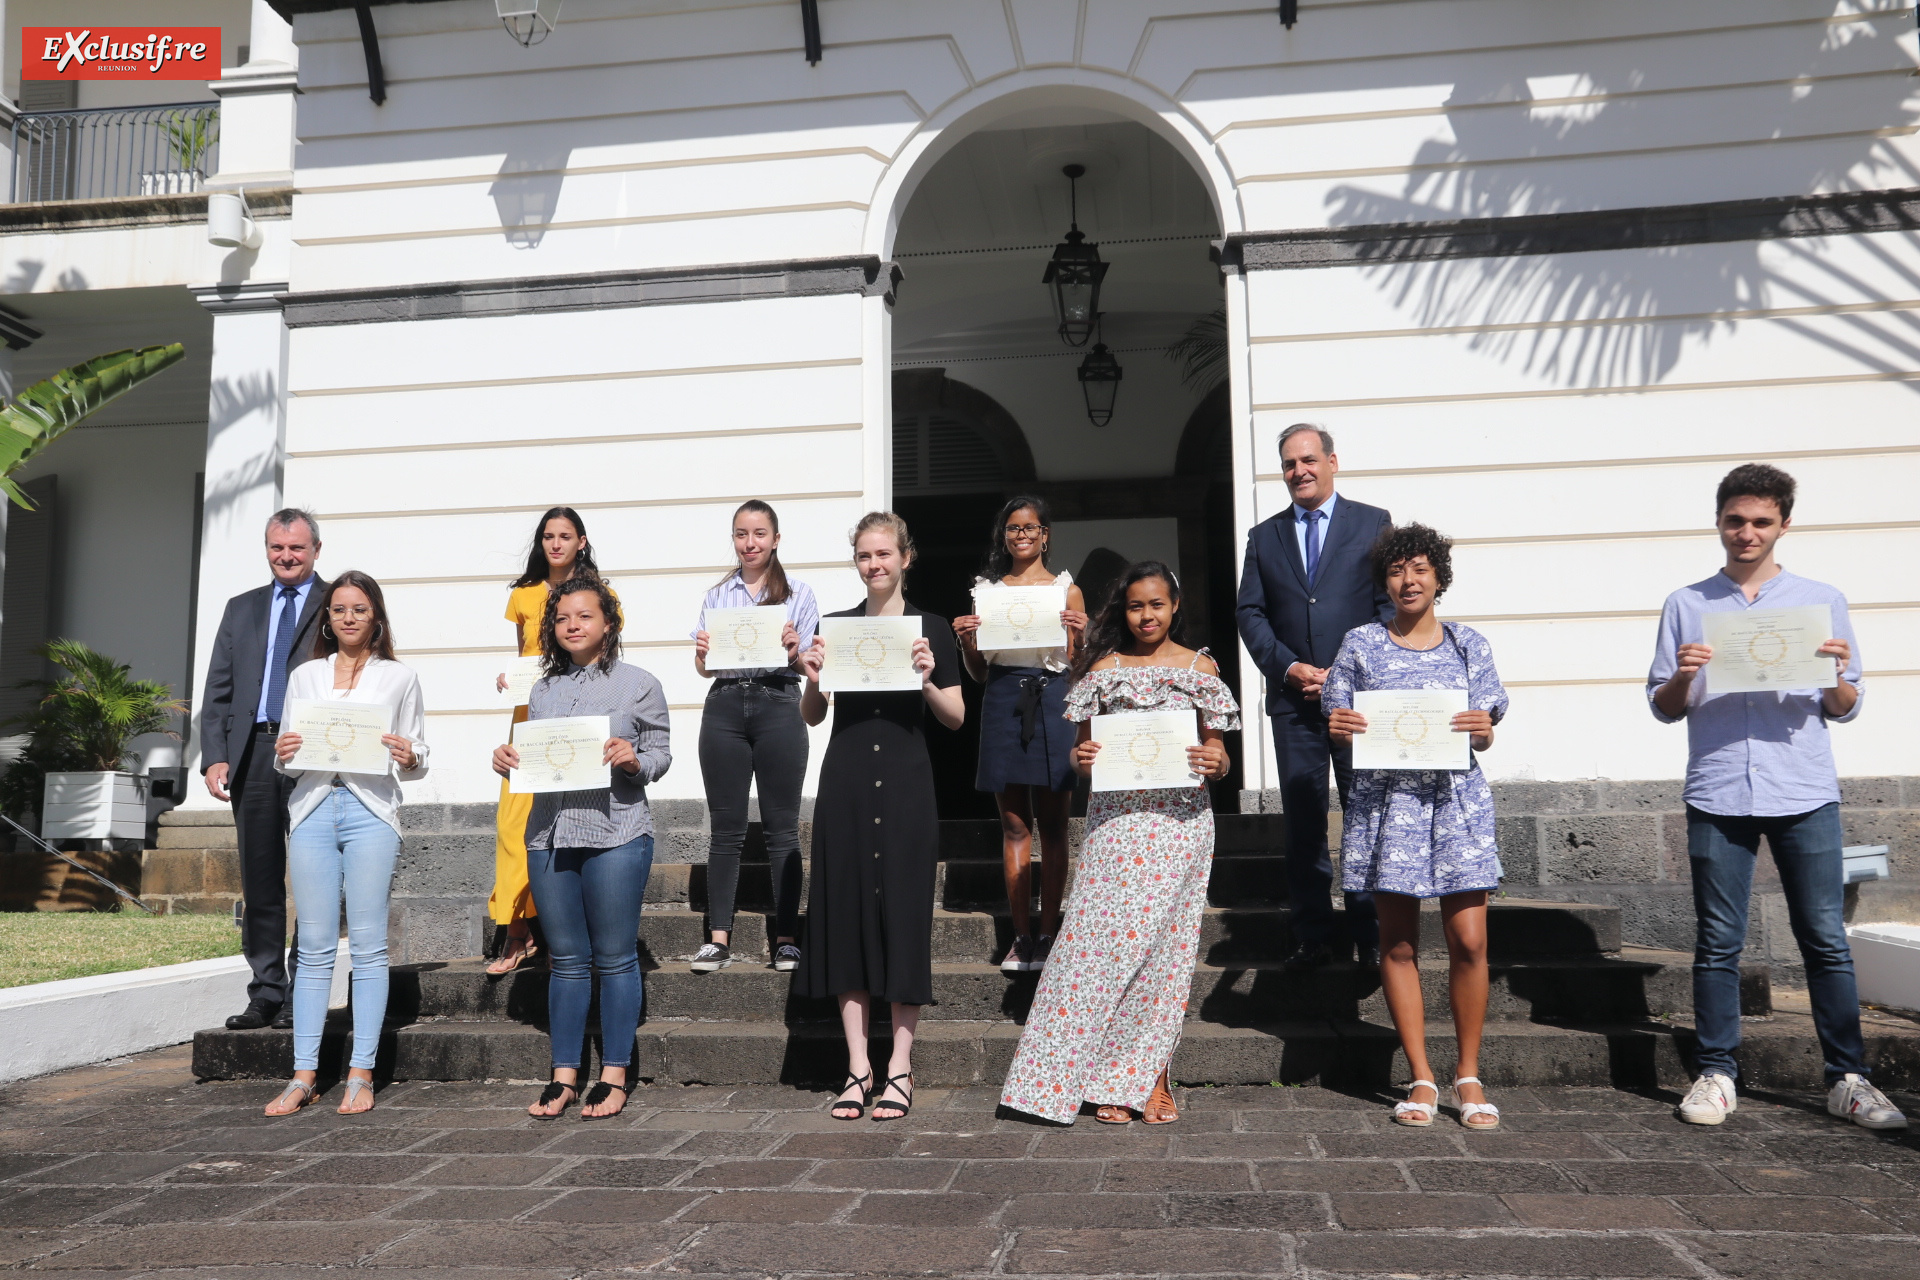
(1423,833)
(1113,997)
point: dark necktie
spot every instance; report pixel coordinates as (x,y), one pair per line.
(1313,543)
(282,647)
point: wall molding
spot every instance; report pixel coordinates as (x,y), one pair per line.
(593,291)
(1768,218)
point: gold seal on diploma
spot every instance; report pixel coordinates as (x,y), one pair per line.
(560,755)
(878,655)
(1019,617)
(746,636)
(1409,730)
(340,737)
(1143,752)
(1766,650)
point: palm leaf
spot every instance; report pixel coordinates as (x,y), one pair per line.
(46,410)
(1202,351)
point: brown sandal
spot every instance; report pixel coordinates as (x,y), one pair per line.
(1113,1115)
(1160,1108)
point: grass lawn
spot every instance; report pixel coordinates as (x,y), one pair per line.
(46,946)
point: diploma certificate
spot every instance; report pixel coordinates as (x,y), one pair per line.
(1020,617)
(1767,650)
(339,736)
(522,675)
(1411,729)
(869,655)
(1145,750)
(746,637)
(563,754)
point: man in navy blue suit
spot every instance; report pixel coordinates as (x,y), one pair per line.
(1307,582)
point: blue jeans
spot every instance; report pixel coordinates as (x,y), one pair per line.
(589,905)
(1806,849)
(340,850)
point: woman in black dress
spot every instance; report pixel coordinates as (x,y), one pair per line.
(876,835)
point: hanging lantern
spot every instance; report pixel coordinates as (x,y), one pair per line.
(528,21)
(1100,383)
(1075,274)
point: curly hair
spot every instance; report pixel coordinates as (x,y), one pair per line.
(557,661)
(1108,632)
(1756,480)
(1403,542)
(999,561)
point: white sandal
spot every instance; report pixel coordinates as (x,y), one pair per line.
(1417,1115)
(306,1096)
(1468,1110)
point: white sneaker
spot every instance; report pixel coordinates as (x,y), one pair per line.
(1854,1098)
(1709,1101)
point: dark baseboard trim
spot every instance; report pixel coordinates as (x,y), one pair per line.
(1771,218)
(593,291)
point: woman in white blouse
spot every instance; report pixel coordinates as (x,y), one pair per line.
(346,834)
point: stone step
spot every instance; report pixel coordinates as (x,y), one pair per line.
(197,837)
(1781,1052)
(672,932)
(1632,984)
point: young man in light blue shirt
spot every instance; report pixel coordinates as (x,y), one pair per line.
(1760,764)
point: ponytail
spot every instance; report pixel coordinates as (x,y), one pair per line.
(776,590)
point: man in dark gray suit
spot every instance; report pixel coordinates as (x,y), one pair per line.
(1306,583)
(264,634)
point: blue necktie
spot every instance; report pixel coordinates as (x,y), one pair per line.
(1313,543)
(282,647)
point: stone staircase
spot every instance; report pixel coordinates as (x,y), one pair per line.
(1570,1004)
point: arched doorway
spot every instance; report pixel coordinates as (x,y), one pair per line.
(981,377)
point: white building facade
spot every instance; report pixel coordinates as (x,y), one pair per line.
(1545,270)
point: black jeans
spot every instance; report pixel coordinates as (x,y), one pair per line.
(753,732)
(1304,750)
(260,795)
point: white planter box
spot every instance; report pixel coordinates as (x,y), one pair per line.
(1865,862)
(94,806)
(1886,963)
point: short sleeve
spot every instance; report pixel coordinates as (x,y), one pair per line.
(1343,677)
(946,654)
(1083,699)
(515,613)
(1214,701)
(1484,690)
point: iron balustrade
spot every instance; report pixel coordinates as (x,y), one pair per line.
(100,153)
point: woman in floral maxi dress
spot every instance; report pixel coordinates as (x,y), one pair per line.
(1113,997)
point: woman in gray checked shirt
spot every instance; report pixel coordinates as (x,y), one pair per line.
(589,852)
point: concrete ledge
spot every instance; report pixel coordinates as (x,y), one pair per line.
(51,1026)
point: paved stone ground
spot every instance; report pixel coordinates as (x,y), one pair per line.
(132,1168)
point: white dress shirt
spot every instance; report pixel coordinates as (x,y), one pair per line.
(380,681)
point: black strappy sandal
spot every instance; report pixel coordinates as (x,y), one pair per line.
(865,1084)
(601,1091)
(551,1094)
(902,1108)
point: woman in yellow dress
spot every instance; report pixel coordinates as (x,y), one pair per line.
(560,551)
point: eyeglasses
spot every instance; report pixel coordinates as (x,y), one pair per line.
(1025,530)
(359,611)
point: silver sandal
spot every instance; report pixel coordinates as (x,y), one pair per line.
(356,1087)
(306,1091)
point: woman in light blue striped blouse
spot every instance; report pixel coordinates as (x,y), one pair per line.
(750,730)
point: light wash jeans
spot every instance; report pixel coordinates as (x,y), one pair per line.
(339,850)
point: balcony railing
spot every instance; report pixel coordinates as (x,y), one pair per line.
(113,151)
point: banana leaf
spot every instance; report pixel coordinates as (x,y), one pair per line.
(44,411)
